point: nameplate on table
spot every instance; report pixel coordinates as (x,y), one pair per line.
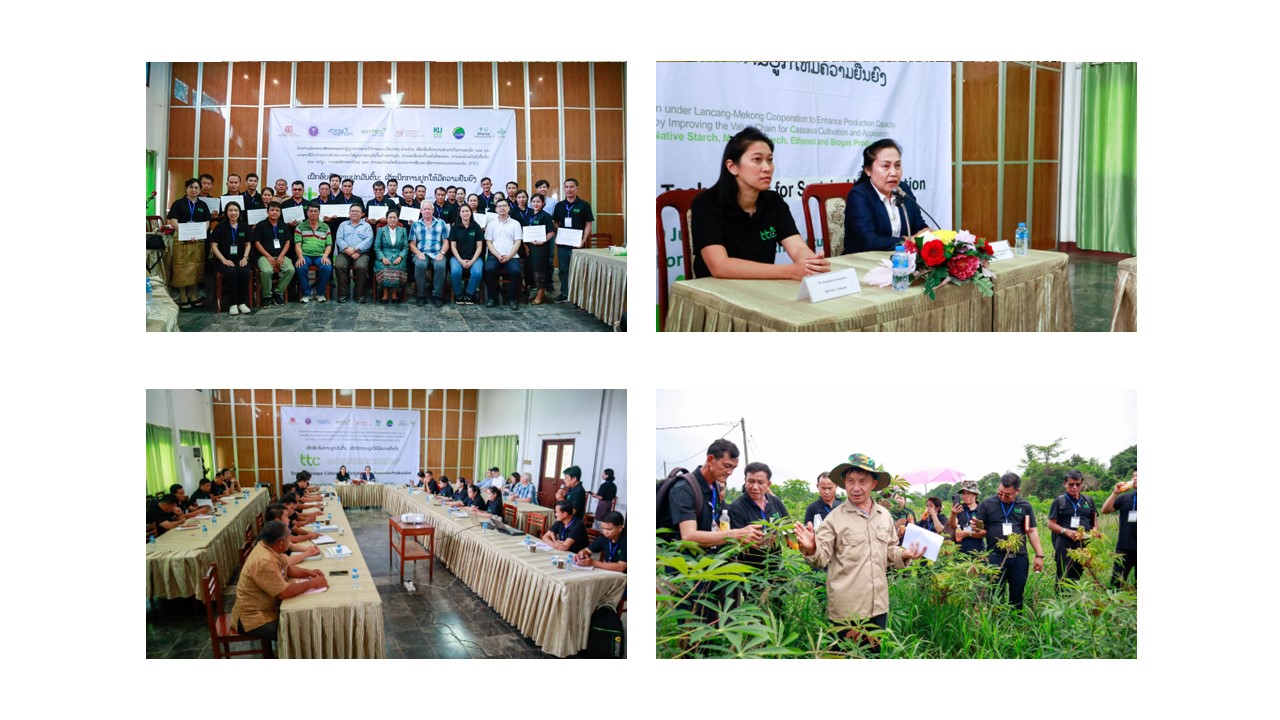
(295,213)
(1003,251)
(407,214)
(376,212)
(816,288)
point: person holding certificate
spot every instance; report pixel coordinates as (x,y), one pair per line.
(381,199)
(392,249)
(502,238)
(188,255)
(540,253)
(429,243)
(465,244)
(571,213)
(272,239)
(879,212)
(231,257)
(737,225)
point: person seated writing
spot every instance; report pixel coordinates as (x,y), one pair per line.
(185,504)
(470,498)
(612,545)
(297,552)
(265,580)
(491,505)
(204,491)
(167,515)
(297,518)
(568,532)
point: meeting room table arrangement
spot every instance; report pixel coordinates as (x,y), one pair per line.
(1031,294)
(598,284)
(178,559)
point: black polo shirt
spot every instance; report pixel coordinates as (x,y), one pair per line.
(745,237)
(275,240)
(495,507)
(992,513)
(681,501)
(181,211)
(609,550)
(524,217)
(1061,511)
(219,489)
(1128,539)
(252,202)
(817,508)
(446,491)
(201,495)
(466,239)
(576,531)
(487,205)
(223,237)
(340,199)
(387,201)
(744,511)
(577,496)
(290,202)
(579,210)
(446,212)
(965,518)
(155,514)
(608,490)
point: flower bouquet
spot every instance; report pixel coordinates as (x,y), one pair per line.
(947,256)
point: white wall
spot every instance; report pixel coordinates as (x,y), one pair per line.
(181,410)
(600,438)
(158,128)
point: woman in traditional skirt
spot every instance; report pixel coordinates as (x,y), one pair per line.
(540,253)
(605,496)
(391,252)
(188,257)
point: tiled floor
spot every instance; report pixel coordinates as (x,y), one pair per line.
(443,619)
(1093,286)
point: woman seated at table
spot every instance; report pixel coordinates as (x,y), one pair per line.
(433,486)
(491,504)
(343,475)
(446,488)
(467,496)
(391,249)
(612,545)
(737,224)
(879,212)
(230,248)
(567,532)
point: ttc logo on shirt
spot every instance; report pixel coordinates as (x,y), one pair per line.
(769,234)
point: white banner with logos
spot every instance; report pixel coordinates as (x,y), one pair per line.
(819,115)
(431,147)
(323,439)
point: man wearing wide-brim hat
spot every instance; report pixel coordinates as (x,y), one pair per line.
(857,543)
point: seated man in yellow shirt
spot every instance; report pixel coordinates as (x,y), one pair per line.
(265,580)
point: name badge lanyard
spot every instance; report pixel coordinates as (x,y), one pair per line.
(714,502)
(191,211)
(1006,512)
(613,550)
(1075,505)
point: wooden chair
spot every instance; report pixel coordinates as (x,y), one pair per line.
(831,200)
(258,523)
(589,519)
(592,534)
(682,201)
(221,633)
(510,514)
(254,287)
(537,524)
(151,531)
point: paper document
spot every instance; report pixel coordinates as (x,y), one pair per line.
(543,546)
(410,214)
(569,236)
(204,502)
(325,528)
(193,231)
(227,199)
(335,210)
(313,591)
(290,214)
(377,212)
(214,204)
(323,540)
(535,234)
(929,540)
(481,219)
(576,566)
(256,216)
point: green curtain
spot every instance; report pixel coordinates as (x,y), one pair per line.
(498,451)
(160,470)
(1106,215)
(204,441)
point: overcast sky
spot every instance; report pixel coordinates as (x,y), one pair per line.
(903,436)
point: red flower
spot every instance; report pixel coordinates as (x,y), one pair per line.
(909,246)
(934,253)
(963,267)
(987,249)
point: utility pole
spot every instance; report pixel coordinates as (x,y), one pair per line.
(746,454)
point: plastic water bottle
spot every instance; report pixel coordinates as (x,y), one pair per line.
(901,268)
(329,517)
(150,296)
(724,520)
(1022,239)
(355,578)
(151,539)
(204,530)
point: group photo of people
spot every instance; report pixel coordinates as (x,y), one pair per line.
(370,524)
(853,557)
(386,196)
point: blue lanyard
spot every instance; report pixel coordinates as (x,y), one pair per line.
(191,211)
(826,509)
(613,550)
(1006,512)
(714,502)
(762,511)
(568,208)
(275,232)
(1135,501)
(1075,505)
(565,529)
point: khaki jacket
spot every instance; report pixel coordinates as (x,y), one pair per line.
(856,549)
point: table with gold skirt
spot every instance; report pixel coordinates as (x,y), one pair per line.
(1124,316)
(550,606)
(598,284)
(1031,293)
(344,621)
(178,559)
(352,495)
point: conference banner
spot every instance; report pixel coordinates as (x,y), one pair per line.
(432,147)
(819,115)
(323,439)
